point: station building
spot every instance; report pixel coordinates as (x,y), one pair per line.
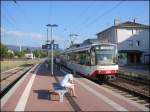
(29,55)
(133,41)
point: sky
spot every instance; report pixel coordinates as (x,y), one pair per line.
(24,22)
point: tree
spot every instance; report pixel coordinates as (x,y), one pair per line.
(3,50)
(36,53)
(43,54)
(27,50)
(10,55)
(39,54)
(19,54)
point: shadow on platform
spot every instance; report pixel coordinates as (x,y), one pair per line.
(43,94)
(43,70)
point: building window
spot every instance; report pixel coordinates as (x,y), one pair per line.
(134,31)
(137,43)
(138,31)
(130,42)
(130,31)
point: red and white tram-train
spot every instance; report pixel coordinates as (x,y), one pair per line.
(97,61)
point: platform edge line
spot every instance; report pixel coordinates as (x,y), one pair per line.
(24,97)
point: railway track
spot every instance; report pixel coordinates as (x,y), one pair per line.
(141,80)
(6,75)
(10,78)
(130,88)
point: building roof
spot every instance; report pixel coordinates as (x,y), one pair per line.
(127,24)
(132,24)
(75,45)
(89,40)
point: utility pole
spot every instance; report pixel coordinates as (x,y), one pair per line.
(15,1)
(20,47)
(134,20)
(52,42)
(72,38)
(47,43)
(116,22)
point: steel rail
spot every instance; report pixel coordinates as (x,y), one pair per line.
(7,88)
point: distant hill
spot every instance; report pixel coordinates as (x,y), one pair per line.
(17,48)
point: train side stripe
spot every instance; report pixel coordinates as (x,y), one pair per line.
(105,72)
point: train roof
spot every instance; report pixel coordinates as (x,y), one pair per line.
(84,47)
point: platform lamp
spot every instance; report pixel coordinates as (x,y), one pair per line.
(52,43)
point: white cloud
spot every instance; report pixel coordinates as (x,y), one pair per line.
(63,43)
(19,34)
(2,30)
(38,38)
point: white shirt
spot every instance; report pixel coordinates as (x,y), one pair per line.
(66,79)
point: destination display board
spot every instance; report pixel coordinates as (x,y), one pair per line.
(49,46)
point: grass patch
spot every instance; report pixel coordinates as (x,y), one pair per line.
(9,64)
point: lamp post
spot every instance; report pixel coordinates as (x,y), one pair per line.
(47,43)
(52,43)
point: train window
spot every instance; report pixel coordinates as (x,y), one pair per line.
(82,58)
(106,55)
(87,58)
(72,57)
(77,58)
(65,56)
(93,61)
(97,47)
(69,57)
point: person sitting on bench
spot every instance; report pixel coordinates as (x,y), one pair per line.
(67,82)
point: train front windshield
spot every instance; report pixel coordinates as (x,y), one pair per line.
(106,54)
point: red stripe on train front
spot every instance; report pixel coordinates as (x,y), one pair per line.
(107,72)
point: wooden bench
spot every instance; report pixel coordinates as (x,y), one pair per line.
(60,91)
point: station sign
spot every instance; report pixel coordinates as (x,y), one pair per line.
(49,46)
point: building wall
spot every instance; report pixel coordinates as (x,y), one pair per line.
(107,36)
(128,39)
(29,56)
